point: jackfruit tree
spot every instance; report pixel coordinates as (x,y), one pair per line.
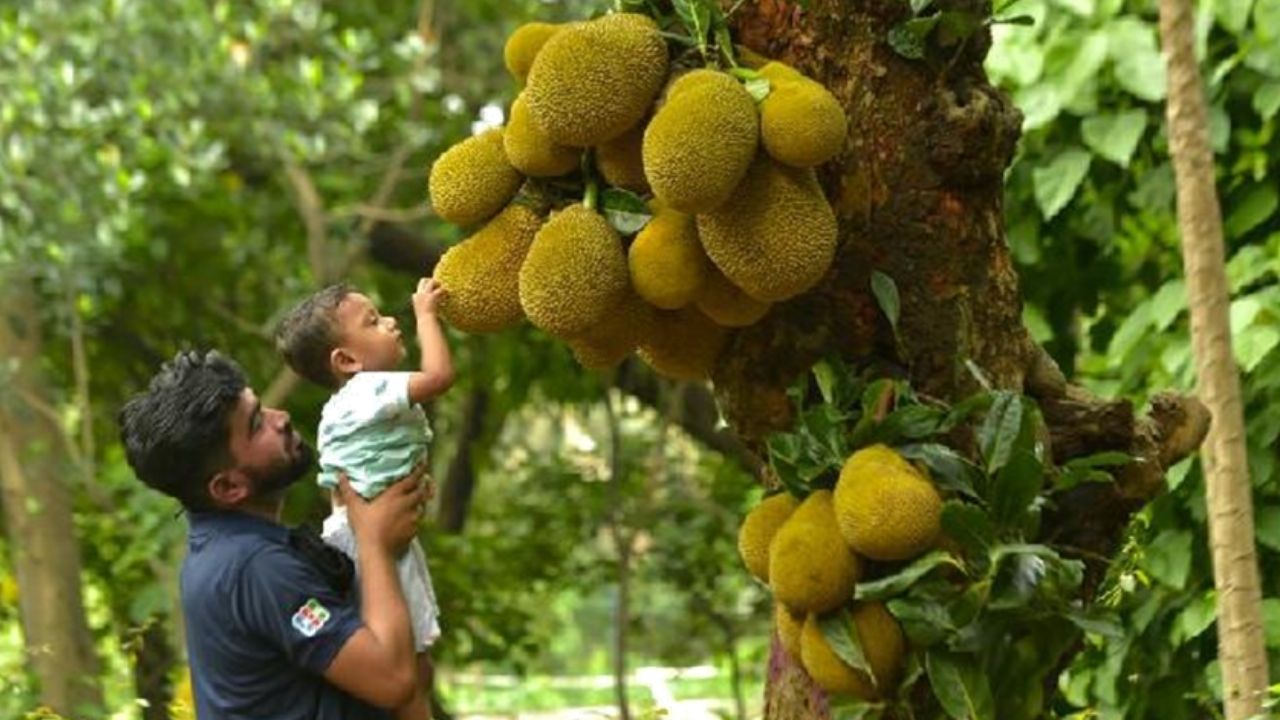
(801,204)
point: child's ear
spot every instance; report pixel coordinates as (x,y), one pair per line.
(343,362)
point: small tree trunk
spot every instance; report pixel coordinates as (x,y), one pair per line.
(460,479)
(37,508)
(1231,533)
(622,542)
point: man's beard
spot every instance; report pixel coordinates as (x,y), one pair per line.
(278,479)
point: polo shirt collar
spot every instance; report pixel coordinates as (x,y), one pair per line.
(230,522)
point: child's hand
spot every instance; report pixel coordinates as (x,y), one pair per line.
(427,298)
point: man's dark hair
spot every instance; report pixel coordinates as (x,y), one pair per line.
(176,435)
(309,333)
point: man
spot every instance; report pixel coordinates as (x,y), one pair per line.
(271,630)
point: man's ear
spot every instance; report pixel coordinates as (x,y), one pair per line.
(343,362)
(229,488)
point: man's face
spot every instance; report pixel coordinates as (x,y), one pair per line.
(265,447)
(367,336)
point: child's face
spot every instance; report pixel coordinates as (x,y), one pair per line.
(368,339)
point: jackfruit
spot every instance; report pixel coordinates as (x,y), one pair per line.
(788,625)
(683,344)
(778,72)
(595,80)
(523,46)
(802,123)
(575,273)
(701,141)
(610,341)
(883,646)
(667,264)
(886,508)
(621,163)
(776,236)
(481,274)
(758,529)
(810,568)
(531,151)
(725,302)
(473,180)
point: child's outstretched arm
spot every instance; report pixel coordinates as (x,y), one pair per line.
(436,374)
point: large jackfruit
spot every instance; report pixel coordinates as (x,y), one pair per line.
(701,141)
(683,344)
(758,529)
(481,274)
(621,163)
(595,80)
(523,46)
(776,237)
(811,569)
(471,181)
(531,151)
(666,261)
(886,508)
(575,273)
(883,646)
(801,122)
(611,340)
(727,304)
(789,625)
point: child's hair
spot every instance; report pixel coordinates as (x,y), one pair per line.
(309,333)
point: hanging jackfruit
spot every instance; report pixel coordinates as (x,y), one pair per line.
(683,344)
(473,180)
(758,529)
(595,80)
(788,625)
(620,161)
(810,568)
(481,274)
(801,122)
(575,273)
(727,304)
(886,508)
(701,141)
(883,646)
(666,261)
(531,151)
(523,46)
(611,340)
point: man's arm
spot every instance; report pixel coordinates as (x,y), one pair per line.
(377,662)
(436,372)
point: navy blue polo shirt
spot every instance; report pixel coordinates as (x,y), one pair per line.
(262,625)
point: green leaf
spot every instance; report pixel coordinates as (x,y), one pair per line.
(1267,527)
(924,620)
(1015,487)
(695,15)
(910,422)
(847,708)
(1000,430)
(960,685)
(1115,136)
(1251,211)
(886,292)
(1168,558)
(919,6)
(1252,345)
(1024,20)
(968,525)
(1057,182)
(759,88)
(1266,99)
(948,470)
(1271,621)
(1097,623)
(1233,15)
(908,39)
(891,585)
(838,629)
(625,211)
(1139,68)
(1198,616)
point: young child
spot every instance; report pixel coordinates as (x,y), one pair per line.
(372,428)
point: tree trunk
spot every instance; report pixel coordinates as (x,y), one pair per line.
(918,194)
(622,543)
(37,506)
(460,479)
(1235,565)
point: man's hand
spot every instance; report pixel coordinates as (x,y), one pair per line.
(389,521)
(428,296)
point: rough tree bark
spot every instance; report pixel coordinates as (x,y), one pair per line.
(37,511)
(918,195)
(1231,534)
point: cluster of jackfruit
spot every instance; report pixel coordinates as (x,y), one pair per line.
(812,554)
(738,220)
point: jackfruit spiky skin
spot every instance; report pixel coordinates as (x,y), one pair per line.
(777,72)
(810,568)
(727,304)
(473,180)
(531,151)
(481,274)
(523,46)
(788,625)
(621,163)
(595,80)
(886,508)
(701,141)
(802,123)
(882,645)
(776,236)
(610,341)
(666,261)
(683,344)
(575,273)
(758,529)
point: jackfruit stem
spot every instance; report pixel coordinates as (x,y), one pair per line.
(592,197)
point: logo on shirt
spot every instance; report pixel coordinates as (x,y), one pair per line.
(311,617)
